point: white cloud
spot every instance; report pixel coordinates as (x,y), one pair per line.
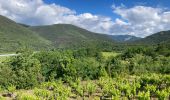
(36,12)
(139,20)
(143,20)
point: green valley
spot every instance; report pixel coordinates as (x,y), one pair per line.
(66,62)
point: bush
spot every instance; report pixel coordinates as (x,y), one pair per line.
(26,71)
(6,76)
(87,68)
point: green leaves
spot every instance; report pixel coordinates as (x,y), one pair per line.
(162,94)
(11,89)
(90,87)
(144,95)
(43,93)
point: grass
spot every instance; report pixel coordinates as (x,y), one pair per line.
(107,55)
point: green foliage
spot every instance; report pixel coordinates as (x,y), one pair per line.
(23,71)
(78,87)
(144,95)
(115,66)
(90,88)
(163,94)
(2,98)
(43,93)
(163,49)
(62,92)
(11,89)
(110,90)
(6,76)
(27,70)
(87,68)
(25,96)
(151,88)
(142,75)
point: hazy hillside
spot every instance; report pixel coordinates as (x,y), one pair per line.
(124,38)
(160,37)
(14,36)
(63,35)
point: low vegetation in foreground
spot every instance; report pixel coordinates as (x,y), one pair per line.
(134,74)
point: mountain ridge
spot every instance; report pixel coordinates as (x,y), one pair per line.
(14,36)
(155,38)
(67,34)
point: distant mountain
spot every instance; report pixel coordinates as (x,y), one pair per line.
(24,25)
(14,36)
(65,35)
(160,37)
(124,38)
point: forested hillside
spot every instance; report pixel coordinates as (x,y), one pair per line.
(155,38)
(65,35)
(14,36)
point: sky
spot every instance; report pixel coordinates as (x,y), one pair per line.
(114,17)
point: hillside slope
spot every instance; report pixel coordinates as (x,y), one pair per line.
(64,35)
(160,37)
(14,36)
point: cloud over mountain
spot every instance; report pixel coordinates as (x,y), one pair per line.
(142,20)
(138,20)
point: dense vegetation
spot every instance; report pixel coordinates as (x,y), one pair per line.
(137,73)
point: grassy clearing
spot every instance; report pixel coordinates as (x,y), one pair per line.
(107,55)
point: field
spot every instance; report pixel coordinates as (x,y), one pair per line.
(144,87)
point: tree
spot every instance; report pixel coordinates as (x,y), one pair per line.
(26,70)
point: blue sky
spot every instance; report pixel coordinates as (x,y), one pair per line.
(103,7)
(114,17)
